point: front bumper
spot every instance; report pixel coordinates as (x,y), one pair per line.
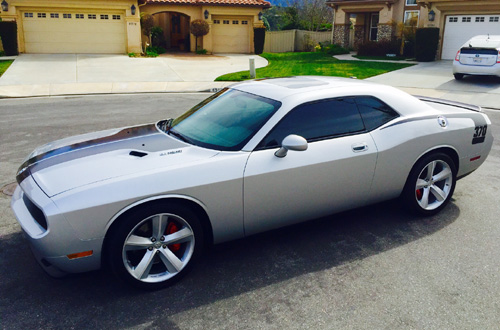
(52,245)
(493,70)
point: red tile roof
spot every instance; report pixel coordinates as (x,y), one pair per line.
(250,3)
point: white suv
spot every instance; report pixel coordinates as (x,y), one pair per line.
(478,56)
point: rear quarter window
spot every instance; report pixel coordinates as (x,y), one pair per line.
(374,112)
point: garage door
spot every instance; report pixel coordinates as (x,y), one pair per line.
(460,28)
(74,32)
(231,35)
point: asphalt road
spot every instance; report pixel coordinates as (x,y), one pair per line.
(373,268)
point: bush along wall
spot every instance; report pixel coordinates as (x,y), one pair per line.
(426,41)
(8,33)
(259,37)
(379,48)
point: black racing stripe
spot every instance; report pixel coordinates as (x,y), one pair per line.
(409,120)
(127,133)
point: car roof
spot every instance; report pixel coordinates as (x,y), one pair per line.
(297,90)
(280,88)
(483,41)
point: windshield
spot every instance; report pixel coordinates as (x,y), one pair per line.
(225,121)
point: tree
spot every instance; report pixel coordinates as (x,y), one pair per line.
(147,24)
(311,15)
(199,28)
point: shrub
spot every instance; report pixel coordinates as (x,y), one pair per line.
(426,41)
(157,37)
(378,48)
(201,51)
(259,37)
(333,49)
(8,34)
(156,49)
(199,28)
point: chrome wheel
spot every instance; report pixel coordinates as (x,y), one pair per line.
(158,247)
(433,185)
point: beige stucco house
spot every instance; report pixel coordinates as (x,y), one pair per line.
(113,26)
(458,20)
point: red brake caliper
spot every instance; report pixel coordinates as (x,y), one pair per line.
(172,228)
(419,194)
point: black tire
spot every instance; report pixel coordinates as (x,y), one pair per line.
(135,248)
(458,76)
(434,194)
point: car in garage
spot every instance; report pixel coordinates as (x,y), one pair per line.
(478,56)
(148,200)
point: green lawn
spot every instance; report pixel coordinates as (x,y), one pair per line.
(4,65)
(317,64)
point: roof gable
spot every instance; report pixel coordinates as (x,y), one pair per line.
(246,3)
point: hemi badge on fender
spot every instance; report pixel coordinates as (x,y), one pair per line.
(475,158)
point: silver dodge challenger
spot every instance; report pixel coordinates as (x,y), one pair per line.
(146,201)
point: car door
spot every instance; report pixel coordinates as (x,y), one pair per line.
(334,174)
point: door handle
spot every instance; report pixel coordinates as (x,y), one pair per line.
(359,147)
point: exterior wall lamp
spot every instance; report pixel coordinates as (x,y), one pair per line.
(5,6)
(260,16)
(432,16)
(132,9)
(206,13)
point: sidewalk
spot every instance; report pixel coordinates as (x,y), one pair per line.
(70,74)
(350,57)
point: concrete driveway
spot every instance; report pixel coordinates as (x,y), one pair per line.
(435,79)
(55,74)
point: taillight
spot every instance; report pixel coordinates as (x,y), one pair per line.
(498,57)
(457,58)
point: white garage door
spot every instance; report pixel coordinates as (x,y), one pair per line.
(231,35)
(460,28)
(74,32)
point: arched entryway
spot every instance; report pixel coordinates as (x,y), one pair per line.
(175,31)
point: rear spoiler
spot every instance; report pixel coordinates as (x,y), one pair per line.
(452,103)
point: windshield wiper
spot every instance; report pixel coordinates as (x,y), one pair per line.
(179,136)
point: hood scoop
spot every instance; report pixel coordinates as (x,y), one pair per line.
(139,154)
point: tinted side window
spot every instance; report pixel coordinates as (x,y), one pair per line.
(374,112)
(316,121)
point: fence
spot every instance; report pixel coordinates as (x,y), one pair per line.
(293,40)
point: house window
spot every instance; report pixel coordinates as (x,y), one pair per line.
(28,15)
(66,15)
(104,17)
(117,17)
(494,19)
(411,17)
(41,15)
(92,16)
(79,16)
(244,22)
(411,2)
(466,19)
(480,19)
(374,26)
(453,19)
(216,21)
(52,15)
(226,21)
(236,22)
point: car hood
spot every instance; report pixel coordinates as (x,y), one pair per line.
(77,161)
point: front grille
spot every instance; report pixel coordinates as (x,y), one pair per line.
(35,212)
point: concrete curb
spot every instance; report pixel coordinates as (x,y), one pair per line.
(47,90)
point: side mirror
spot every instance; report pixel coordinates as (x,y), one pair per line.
(291,142)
